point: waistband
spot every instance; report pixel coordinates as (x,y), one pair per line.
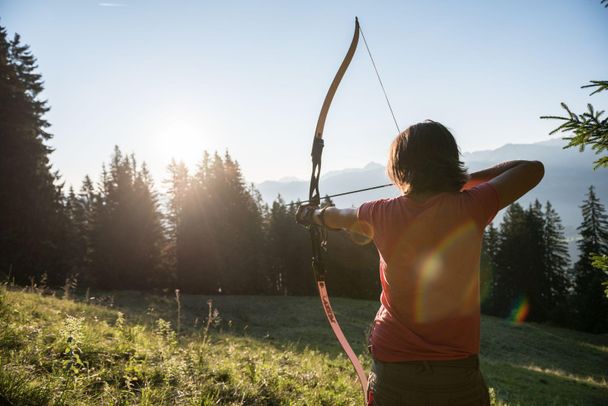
(471,362)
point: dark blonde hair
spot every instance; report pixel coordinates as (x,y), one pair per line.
(425,158)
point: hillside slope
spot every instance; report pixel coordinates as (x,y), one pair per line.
(252,350)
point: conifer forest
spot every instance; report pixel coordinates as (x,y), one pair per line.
(199,287)
(211,232)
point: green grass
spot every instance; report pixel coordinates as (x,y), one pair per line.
(253,350)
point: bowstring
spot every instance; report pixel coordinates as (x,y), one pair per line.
(379,80)
(390,107)
(343,194)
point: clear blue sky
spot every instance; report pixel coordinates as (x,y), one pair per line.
(172,78)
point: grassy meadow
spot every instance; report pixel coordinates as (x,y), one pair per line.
(132,348)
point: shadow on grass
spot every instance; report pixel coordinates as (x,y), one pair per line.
(519,384)
(545,347)
(294,322)
(528,364)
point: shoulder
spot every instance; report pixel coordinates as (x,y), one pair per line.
(375,208)
(482,202)
(484,194)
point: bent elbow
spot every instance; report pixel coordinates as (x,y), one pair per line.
(539,169)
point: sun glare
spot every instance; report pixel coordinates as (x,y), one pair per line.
(181,138)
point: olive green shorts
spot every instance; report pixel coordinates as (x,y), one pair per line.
(428,383)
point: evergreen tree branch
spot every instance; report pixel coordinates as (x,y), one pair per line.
(601,85)
(601,262)
(589,129)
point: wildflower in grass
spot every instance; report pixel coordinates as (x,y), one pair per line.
(73,336)
(165,332)
(120,321)
(213,319)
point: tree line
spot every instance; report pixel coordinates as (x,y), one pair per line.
(212,233)
(525,261)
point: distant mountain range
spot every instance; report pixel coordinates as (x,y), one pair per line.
(568,175)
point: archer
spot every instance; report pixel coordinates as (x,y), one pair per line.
(425,336)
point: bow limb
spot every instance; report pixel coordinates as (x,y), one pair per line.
(314,196)
(318,233)
(336,82)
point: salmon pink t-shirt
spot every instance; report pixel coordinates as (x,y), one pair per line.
(429,271)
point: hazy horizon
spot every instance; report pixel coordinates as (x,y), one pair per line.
(164,79)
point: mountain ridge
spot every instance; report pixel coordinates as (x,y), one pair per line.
(568,175)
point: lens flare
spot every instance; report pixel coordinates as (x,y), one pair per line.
(520,311)
(440,285)
(361,233)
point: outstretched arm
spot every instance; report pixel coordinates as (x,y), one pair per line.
(330,217)
(336,219)
(339,218)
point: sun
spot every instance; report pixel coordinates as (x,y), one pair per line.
(180,137)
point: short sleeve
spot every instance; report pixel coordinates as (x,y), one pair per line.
(364,213)
(371,215)
(368,211)
(484,203)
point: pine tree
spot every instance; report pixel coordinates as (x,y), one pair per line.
(538,280)
(32,217)
(261,212)
(519,272)
(508,273)
(243,224)
(78,236)
(591,303)
(221,243)
(197,249)
(279,246)
(488,267)
(126,232)
(83,221)
(530,260)
(288,251)
(177,189)
(557,262)
(152,238)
